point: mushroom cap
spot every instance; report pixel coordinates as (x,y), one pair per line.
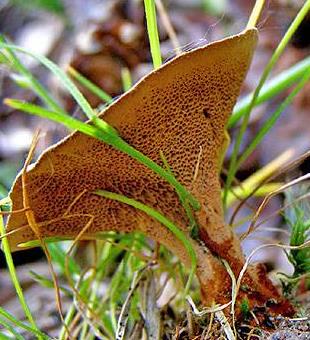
(181,110)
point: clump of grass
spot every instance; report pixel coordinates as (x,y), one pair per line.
(245,308)
(297,217)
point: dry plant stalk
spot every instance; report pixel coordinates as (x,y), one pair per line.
(180,110)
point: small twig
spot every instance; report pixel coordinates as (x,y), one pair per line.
(205,311)
(268,198)
(225,324)
(168,26)
(124,314)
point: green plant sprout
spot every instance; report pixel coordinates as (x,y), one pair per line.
(297,217)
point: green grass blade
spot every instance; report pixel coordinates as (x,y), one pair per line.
(68,319)
(59,257)
(272,88)
(105,97)
(3,191)
(21,81)
(126,79)
(162,219)
(276,55)
(240,193)
(150,12)
(3,58)
(115,292)
(14,278)
(11,329)
(20,324)
(76,94)
(68,121)
(36,86)
(270,122)
(125,147)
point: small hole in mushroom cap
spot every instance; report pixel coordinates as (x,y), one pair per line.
(206,113)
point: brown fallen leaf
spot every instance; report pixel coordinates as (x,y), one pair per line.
(118,40)
(180,110)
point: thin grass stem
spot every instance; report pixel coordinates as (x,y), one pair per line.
(126,79)
(256,12)
(89,85)
(11,329)
(21,325)
(150,12)
(36,86)
(243,192)
(68,318)
(14,278)
(77,95)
